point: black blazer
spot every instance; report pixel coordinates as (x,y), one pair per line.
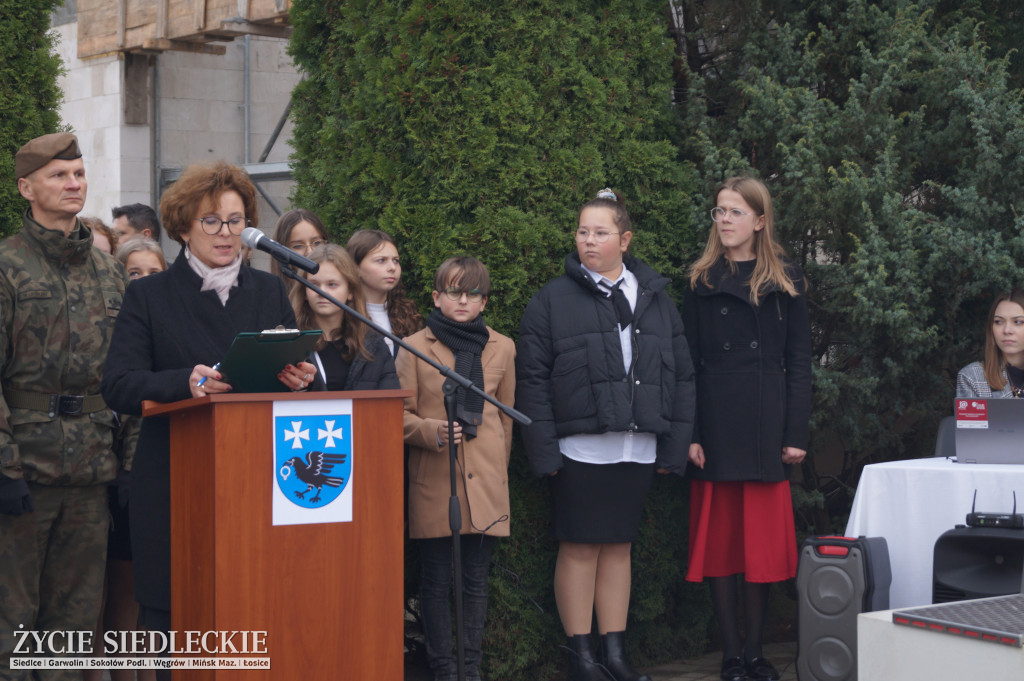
(167,326)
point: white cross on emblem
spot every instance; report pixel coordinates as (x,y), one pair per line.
(296,435)
(329,434)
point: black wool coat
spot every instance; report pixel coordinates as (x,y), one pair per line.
(753,367)
(165,328)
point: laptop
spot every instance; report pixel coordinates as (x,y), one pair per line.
(999,619)
(989,430)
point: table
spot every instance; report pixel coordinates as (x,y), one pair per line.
(911,503)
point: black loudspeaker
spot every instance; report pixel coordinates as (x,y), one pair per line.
(977,562)
(837,579)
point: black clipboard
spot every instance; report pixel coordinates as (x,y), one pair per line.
(256,358)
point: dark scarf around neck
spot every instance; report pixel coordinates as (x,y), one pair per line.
(467,341)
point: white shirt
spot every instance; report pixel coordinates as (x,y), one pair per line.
(618,447)
(379,314)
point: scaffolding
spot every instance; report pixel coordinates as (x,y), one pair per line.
(154,26)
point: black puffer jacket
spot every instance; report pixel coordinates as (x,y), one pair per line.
(569,375)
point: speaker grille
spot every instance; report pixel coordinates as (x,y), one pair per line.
(831,659)
(837,578)
(977,562)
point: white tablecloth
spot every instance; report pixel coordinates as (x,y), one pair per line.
(911,503)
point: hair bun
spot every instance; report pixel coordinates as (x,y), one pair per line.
(607,193)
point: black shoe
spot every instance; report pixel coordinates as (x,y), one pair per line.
(583,664)
(733,669)
(760,669)
(613,657)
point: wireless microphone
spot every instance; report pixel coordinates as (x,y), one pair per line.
(255,239)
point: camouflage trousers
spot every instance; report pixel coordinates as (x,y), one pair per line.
(51,571)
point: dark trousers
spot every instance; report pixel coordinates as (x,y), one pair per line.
(51,569)
(436,577)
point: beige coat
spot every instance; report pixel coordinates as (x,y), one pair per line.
(483,461)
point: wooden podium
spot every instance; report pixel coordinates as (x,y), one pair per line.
(328,595)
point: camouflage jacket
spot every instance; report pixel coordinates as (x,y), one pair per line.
(59,298)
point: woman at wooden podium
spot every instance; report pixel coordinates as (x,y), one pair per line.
(173,328)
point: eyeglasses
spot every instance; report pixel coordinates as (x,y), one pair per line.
(213,224)
(600,236)
(455,293)
(718,213)
(306,246)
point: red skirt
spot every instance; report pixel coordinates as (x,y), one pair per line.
(741,528)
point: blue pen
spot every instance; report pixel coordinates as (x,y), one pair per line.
(203,379)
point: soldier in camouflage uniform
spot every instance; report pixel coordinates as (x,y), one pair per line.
(59,298)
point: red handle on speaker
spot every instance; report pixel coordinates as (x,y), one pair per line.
(836,550)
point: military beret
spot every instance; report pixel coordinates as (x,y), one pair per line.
(40,151)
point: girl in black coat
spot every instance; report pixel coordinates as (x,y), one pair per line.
(747,326)
(350,356)
(604,373)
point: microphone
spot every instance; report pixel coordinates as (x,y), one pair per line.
(257,240)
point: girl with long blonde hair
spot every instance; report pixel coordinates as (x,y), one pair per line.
(746,322)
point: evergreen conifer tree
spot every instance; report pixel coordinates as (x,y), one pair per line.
(29,95)
(465,126)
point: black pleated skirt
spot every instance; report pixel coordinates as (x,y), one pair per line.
(599,503)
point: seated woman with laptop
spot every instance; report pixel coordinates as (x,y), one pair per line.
(1001,375)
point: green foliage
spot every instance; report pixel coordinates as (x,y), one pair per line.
(999,24)
(891,142)
(29,96)
(463,126)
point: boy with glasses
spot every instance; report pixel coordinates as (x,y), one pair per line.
(457,336)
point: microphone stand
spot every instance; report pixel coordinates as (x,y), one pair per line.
(453,381)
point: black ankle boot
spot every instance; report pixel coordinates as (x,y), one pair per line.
(583,664)
(613,657)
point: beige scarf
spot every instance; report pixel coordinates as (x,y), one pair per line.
(219,279)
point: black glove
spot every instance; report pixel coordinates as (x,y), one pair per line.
(124,486)
(15,498)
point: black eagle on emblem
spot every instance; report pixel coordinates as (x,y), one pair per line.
(315,471)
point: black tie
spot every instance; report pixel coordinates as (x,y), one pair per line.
(622,309)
